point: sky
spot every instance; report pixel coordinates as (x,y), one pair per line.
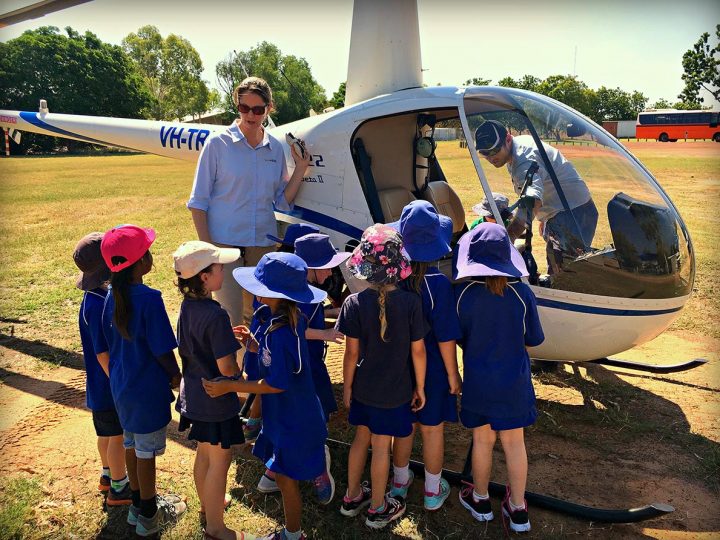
(628,44)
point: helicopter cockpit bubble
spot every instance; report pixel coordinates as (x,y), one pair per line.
(640,248)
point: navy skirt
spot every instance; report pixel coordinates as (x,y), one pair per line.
(472,419)
(440,404)
(396,422)
(304,463)
(225,433)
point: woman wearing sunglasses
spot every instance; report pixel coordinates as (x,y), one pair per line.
(241,173)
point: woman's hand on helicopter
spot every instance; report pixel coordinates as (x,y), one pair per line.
(300,161)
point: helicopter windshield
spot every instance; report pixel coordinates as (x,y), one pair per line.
(603,226)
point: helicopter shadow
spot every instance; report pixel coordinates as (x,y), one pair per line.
(625,446)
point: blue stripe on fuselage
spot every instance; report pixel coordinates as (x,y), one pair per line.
(554,304)
(34,120)
(324,221)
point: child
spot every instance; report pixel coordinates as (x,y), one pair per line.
(93,278)
(207,348)
(426,237)
(143,370)
(383,328)
(292,233)
(499,319)
(292,440)
(483,210)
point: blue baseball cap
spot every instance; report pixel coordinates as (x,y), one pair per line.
(486,251)
(489,135)
(425,233)
(318,252)
(279,275)
(293,232)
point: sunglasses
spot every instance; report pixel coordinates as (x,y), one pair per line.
(491,153)
(257,110)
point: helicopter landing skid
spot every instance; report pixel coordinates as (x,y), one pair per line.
(652,368)
(547,502)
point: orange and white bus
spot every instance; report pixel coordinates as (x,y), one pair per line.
(671,124)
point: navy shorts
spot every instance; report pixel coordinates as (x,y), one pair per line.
(226,433)
(472,419)
(440,404)
(107,423)
(296,463)
(396,422)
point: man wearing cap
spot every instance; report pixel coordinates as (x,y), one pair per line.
(557,224)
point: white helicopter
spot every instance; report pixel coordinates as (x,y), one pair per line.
(378,153)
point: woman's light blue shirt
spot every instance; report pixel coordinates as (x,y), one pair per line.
(240,187)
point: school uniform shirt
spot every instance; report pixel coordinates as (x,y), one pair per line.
(261,313)
(292,418)
(140,386)
(204,335)
(524,152)
(383,376)
(496,366)
(98,396)
(315,314)
(240,187)
(438,306)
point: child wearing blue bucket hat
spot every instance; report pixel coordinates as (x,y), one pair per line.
(384,328)
(499,319)
(292,440)
(426,237)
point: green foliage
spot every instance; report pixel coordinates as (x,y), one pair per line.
(702,69)
(172,70)
(617,104)
(76,74)
(477,81)
(338,98)
(292,99)
(18,496)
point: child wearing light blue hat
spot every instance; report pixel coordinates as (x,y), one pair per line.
(426,237)
(292,440)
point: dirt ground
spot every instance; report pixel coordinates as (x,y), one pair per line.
(596,442)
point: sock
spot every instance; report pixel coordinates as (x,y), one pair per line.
(148,507)
(292,535)
(252,422)
(380,508)
(401,475)
(477,497)
(270,474)
(136,497)
(118,485)
(106,471)
(513,507)
(432,483)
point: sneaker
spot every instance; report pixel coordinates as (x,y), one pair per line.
(394,509)
(518,519)
(169,510)
(267,484)
(133,513)
(401,490)
(104,483)
(119,498)
(277,535)
(325,483)
(433,501)
(251,432)
(352,507)
(480,510)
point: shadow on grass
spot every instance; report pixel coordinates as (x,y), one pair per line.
(43,351)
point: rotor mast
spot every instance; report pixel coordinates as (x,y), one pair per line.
(384,49)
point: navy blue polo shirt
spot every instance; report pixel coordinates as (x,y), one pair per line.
(292,418)
(384,373)
(496,366)
(140,386)
(204,335)
(97,385)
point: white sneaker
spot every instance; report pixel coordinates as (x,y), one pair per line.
(267,484)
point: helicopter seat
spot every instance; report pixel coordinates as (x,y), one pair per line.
(392,202)
(447,202)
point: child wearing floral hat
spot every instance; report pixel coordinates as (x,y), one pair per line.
(383,326)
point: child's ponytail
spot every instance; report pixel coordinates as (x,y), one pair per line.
(120,283)
(419,269)
(382,297)
(496,284)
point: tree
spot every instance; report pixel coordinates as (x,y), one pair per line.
(702,69)
(294,88)
(477,81)
(617,104)
(172,70)
(527,82)
(338,98)
(76,74)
